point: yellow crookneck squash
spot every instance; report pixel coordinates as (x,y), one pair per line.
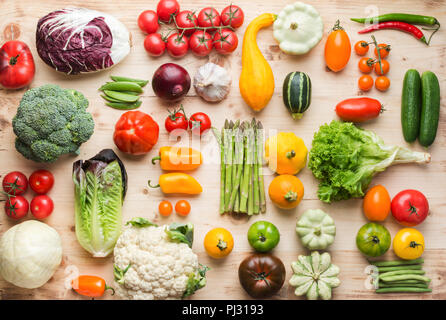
(256,80)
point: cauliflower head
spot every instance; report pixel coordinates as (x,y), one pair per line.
(51,121)
(156,262)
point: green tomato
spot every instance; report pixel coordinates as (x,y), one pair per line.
(263,236)
(373,239)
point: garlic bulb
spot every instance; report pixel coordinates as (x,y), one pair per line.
(212,82)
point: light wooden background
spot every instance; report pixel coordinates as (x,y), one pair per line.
(328,89)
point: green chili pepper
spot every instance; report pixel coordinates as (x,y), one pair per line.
(404,17)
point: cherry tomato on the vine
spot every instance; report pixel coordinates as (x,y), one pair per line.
(361,47)
(199,123)
(209,17)
(365,82)
(385,66)
(225,41)
(148,21)
(16,207)
(177,45)
(186,19)
(182,208)
(154,44)
(382,83)
(201,43)
(232,16)
(15,183)
(41,181)
(384,50)
(166,9)
(165,208)
(42,206)
(365,65)
(176,120)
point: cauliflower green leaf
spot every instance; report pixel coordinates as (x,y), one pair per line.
(181,232)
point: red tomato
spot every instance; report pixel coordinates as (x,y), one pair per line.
(16,65)
(358,109)
(410,207)
(148,21)
(166,9)
(199,121)
(232,16)
(201,43)
(136,133)
(225,41)
(41,181)
(42,206)
(209,17)
(16,207)
(186,19)
(177,45)
(176,120)
(15,183)
(154,44)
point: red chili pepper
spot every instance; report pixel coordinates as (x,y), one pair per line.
(403,26)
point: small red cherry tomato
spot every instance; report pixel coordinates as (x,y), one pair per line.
(41,181)
(148,21)
(201,43)
(186,19)
(410,207)
(15,183)
(42,206)
(225,41)
(166,9)
(199,123)
(16,207)
(232,16)
(177,45)
(209,17)
(358,109)
(154,44)
(176,120)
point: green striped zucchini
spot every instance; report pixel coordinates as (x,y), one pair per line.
(297,93)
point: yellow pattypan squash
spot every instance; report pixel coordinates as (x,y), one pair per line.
(286,153)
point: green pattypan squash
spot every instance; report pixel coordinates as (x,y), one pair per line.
(298,28)
(314,276)
(316,229)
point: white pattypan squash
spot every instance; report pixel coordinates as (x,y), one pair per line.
(298,28)
(316,229)
(314,276)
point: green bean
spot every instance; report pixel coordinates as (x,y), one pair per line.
(121,86)
(142,83)
(130,92)
(123,105)
(402,289)
(395,273)
(123,97)
(397,268)
(398,285)
(405,277)
(396,262)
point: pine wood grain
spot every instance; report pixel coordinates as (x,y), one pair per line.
(328,89)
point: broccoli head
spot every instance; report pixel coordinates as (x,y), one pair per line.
(50,122)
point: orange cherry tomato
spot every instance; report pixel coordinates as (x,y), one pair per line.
(376,203)
(365,82)
(337,49)
(365,65)
(384,50)
(90,286)
(382,83)
(385,65)
(165,208)
(361,47)
(182,207)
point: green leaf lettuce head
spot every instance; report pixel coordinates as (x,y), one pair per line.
(100,187)
(50,122)
(345,158)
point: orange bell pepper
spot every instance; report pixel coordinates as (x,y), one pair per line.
(178,182)
(178,158)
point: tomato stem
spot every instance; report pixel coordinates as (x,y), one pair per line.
(378,51)
(13,60)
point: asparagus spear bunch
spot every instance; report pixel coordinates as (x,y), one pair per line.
(241,186)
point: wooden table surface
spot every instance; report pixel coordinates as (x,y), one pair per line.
(328,89)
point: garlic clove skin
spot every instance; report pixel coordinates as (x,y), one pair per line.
(212,82)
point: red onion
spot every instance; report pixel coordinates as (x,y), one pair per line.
(171,82)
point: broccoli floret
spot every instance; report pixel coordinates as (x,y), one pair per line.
(50,122)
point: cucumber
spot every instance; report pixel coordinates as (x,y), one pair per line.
(411,105)
(430,108)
